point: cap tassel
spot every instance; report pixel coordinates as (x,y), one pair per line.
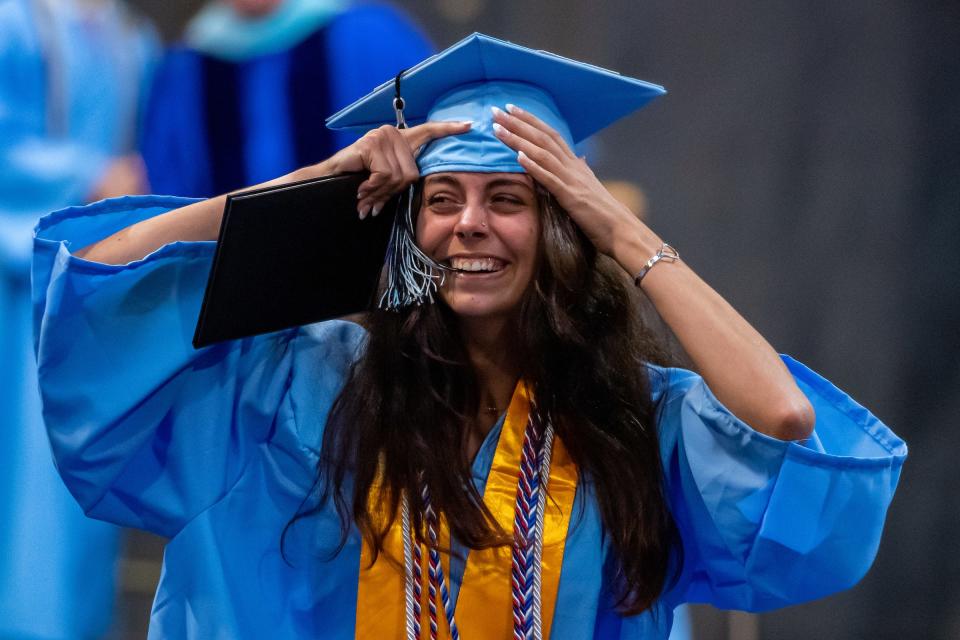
(412,276)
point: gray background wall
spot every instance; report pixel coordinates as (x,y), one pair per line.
(807,163)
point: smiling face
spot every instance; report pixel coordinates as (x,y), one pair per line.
(487,227)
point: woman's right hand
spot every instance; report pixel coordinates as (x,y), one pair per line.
(388,154)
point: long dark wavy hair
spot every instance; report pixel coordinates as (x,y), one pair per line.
(580,346)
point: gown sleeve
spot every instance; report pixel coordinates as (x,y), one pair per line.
(146,431)
(767,523)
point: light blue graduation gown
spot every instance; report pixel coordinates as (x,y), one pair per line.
(56,566)
(217,448)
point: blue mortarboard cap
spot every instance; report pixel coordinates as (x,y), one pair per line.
(479,72)
(463,83)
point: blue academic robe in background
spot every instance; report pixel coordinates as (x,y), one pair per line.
(240,104)
(70,86)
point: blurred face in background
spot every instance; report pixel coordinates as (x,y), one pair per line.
(255,8)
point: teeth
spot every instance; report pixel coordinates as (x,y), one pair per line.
(476,264)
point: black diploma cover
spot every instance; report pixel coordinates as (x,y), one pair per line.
(291,255)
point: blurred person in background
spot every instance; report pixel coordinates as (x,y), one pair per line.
(243,98)
(72,79)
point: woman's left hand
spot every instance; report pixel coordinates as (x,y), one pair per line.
(549,160)
(740,367)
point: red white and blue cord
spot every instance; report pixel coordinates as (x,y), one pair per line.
(527,547)
(436,584)
(528,532)
(546,452)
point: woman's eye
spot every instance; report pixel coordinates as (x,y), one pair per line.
(438,199)
(512,201)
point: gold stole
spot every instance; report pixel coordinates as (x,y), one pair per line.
(484,607)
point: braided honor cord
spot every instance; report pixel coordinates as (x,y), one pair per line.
(528,530)
(437,581)
(546,453)
(527,547)
(412,577)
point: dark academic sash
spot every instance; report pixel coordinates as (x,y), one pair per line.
(484,607)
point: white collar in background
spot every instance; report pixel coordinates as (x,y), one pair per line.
(219,31)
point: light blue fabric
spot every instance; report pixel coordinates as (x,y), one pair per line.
(56,566)
(218,30)
(588,97)
(682,625)
(479,150)
(217,448)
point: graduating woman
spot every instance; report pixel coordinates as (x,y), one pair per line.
(492,454)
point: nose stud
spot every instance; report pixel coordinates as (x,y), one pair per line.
(483,224)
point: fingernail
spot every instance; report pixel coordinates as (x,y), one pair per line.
(498,128)
(376,209)
(361,194)
(521,156)
(512,108)
(364,211)
(468,123)
(497,111)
